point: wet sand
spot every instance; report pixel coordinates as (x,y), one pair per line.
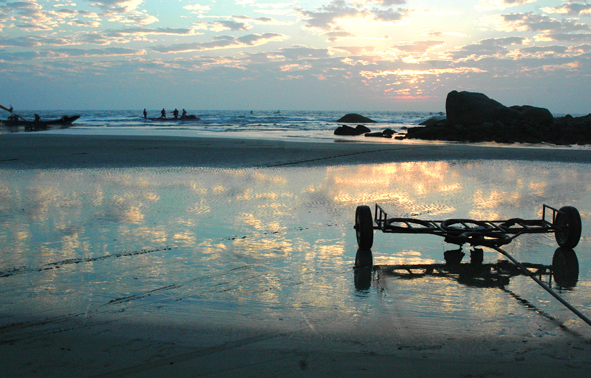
(66,151)
(316,338)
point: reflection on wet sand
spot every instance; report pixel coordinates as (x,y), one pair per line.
(230,243)
(564,271)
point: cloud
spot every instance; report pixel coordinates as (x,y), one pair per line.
(71,53)
(544,49)
(35,41)
(110,51)
(388,15)
(117,6)
(419,46)
(488,47)
(111,36)
(147,31)
(124,11)
(223,25)
(538,22)
(197,8)
(420,72)
(90,24)
(301,52)
(356,50)
(30,16)
(582,49)
(565,37)
(385,3)
(327,16)
(501,4)
(571,9)
(259,20)
(222,42)
(237,23)
(436,33)
(334,36)
(333,17)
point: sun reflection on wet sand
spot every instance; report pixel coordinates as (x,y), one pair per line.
(228,244)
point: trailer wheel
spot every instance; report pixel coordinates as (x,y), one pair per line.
(568,227)
(364,227)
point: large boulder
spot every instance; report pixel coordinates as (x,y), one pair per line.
(471,108)
(534,115)
(355,118)
(474,117)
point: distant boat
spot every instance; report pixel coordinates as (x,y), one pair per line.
(64,120)
(189,118)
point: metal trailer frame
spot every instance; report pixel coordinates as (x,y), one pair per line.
(565,223)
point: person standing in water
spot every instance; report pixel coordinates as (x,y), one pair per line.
(175,113)
(163,113)
(145,114)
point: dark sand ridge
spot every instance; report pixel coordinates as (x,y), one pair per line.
(67,151)
(73,345)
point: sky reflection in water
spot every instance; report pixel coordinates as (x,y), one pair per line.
(274,248)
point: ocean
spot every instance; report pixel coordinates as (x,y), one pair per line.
(309,124)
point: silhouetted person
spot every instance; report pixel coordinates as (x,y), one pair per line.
(163,113)
(37,118)
(184,115)
(175,113)
(145,114)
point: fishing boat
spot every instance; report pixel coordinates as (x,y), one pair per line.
(189,118)
(16,121)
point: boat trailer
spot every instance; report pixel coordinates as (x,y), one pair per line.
(565,223)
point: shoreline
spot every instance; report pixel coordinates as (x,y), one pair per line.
(29,151)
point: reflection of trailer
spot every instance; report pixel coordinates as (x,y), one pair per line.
(564,223)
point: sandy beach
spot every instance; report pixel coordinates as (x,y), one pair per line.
(151,256)
(68,151)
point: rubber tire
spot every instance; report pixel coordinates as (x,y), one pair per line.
(364,227)
(569,219)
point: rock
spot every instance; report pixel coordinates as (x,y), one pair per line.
(362,129)
(345,130)
(532,114)
(471,108)
(348,130)
(355,118)
(379,134)
(388,132)
(433,120)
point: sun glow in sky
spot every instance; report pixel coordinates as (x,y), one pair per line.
(293,54)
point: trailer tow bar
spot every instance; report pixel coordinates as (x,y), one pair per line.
(527,272)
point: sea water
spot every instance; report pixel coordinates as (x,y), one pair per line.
(309,124)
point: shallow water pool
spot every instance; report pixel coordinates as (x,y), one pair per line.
(274,249)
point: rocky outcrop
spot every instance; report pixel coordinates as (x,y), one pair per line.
(473,117)
(348,130)
(387,133)
(355,118)
(469,108)
(363,130)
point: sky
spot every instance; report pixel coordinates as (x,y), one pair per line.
(350,55)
